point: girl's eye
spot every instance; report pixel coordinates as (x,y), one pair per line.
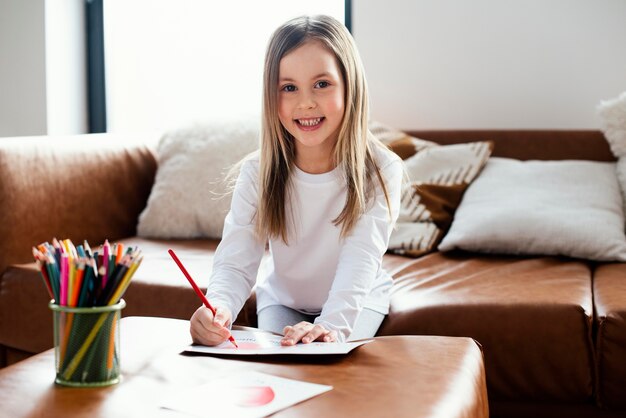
(289,88)
(322,84)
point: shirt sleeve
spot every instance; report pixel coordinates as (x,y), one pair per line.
(239,253)
(360,259)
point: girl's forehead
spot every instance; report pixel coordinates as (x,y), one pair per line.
(311,56)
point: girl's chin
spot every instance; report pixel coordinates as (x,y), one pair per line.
(306,142)
(309,143)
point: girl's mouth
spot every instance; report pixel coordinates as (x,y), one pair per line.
(310,124)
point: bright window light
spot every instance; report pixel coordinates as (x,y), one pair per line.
(170,63)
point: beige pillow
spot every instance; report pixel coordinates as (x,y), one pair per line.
(438,178)
(190,197)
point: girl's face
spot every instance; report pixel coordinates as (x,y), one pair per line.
(311,97)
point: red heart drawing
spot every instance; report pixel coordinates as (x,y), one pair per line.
(253,396)
(249,346)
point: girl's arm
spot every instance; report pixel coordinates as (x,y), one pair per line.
(361,256)
(237,257)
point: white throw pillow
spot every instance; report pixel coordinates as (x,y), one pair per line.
(190,198)
(571,208)
(613,116)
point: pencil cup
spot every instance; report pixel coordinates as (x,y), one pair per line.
(86,344)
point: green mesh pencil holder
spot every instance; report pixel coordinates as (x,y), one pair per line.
(87,344)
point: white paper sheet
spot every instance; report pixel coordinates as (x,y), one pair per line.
(258,343)
(246,395)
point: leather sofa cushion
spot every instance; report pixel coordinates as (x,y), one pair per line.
(609,288)
(533,317)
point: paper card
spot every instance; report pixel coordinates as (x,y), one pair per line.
(246,395)
(260,343)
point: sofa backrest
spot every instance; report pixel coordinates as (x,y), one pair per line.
(95,186)
(531,144)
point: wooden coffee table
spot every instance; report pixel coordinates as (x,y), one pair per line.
(400,376)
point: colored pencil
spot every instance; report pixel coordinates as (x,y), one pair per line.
(64,279)
(105,262)
(196,288)
(75,276)
(78,282)
(87,249)
(125,282)
(111,348)
(39,258)
(119,252)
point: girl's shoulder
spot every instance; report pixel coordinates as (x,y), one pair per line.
(383,156)
(245,171)
(249,165)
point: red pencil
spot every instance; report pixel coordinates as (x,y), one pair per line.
(196,288)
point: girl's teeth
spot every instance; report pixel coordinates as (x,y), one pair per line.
(310,122)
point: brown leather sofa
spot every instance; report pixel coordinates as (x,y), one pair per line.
(553,330)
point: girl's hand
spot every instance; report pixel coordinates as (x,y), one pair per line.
(307,332)
(207,329)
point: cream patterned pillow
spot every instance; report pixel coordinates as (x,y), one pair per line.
(570,208)
(405,143)
(438,177)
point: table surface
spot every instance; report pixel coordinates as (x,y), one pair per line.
(412,376)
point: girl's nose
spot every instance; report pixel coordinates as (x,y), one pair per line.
(307,102)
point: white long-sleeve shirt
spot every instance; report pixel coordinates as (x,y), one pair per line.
(316,272)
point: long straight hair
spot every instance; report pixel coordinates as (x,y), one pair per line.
(353,149)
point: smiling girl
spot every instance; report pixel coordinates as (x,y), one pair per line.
(322,191)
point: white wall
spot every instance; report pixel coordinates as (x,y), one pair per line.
(22,68)
(192,60)
(42,67)
(444,64)
(66,74)
(431,64)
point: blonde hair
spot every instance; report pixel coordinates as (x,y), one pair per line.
(353,148)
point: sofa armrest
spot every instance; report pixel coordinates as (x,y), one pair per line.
(79,187)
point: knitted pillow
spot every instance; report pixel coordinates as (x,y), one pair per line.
(438,177)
